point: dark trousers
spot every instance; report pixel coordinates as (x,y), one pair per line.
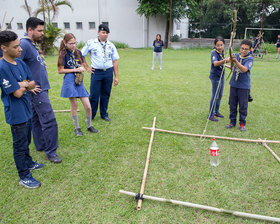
(100,89)
(214,109)
(238,97)
(44,125)
(21,139)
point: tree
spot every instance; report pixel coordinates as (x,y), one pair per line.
(49,10)
(180,9)
(217,16)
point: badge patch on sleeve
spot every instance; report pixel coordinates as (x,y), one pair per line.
(6,83)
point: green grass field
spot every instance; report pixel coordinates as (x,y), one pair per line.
(85,187)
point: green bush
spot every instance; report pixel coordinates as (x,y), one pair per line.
(120,44)
(52,33)
(81,44)
(175,38)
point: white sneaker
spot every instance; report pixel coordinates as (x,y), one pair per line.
(159,68)
(153,68)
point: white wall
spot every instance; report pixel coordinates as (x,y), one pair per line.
(124,23)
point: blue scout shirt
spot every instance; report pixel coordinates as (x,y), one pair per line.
(158,46)
(35,62)
(102,55)
(70,61)
(1,53)
(243,81)
(17,110)
(215,72)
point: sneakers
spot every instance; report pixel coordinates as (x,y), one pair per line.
(212,118)
(78,132)
(36,166)
(92,129)
(153,68)
(218,115)
(106,119)
(242,127)
(54,159)
(230,126)
(29,182)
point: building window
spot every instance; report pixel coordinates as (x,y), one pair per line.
(79,25)
(106,23)
(67,25)
(19,26)
(9,26)
(55,25)
(91,25)
(178,27)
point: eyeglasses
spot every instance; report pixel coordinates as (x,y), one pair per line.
(72,43)
(244,49)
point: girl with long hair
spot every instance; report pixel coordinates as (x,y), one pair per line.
(216,76)
(158,44)
(70,61)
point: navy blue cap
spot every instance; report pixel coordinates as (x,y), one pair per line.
(103,27)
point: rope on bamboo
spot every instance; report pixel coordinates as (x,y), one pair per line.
(140,199)
(208,208)
(213,136)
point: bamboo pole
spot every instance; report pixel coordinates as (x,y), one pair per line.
(213,136)
(139,203)
(61,111)
(208,208)
(271,151)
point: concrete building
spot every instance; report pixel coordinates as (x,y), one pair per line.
(124,23)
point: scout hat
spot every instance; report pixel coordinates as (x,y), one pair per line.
(103,27)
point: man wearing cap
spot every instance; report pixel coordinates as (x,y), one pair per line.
(103,56)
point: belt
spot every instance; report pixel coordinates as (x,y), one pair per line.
(101,70)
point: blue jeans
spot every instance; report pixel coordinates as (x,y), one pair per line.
(215,108)
(21,139)
(100,89)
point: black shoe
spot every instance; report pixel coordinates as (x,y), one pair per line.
(106,119)
(92,129)
(54,159)
(230,126)
(78,132)
(212,118)
(250,98)
(218,115)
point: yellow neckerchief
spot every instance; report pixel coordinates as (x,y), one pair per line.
(238,71)
(221,54)
(74,60)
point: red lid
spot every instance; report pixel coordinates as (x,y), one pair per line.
(214,139)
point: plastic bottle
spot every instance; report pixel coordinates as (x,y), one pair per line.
(214,154)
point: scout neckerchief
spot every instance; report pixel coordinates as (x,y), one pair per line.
(221,55)
(37,47)
(104,48)
(237,70)
(73,56)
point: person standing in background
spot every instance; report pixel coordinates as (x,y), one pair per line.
(158,44)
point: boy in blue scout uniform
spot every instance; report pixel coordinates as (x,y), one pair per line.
(44,125)
(103,56)
(240,85)
(15,81)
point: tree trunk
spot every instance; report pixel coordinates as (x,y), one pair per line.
(166,34)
